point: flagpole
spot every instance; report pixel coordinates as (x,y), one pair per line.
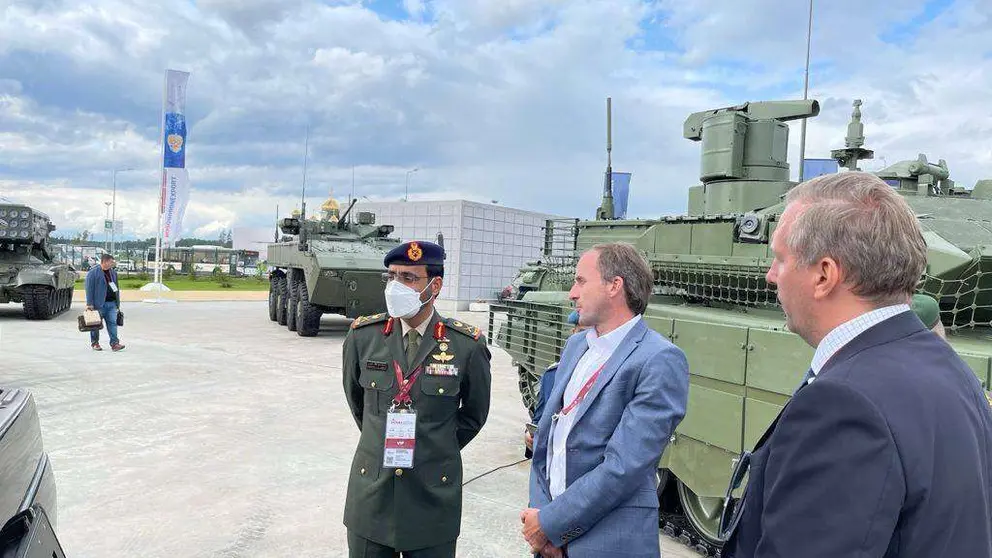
(161,185)
(156,284)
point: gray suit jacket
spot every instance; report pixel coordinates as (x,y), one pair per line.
(610,504)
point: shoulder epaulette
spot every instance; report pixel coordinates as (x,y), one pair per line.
(464,328)
(362,321)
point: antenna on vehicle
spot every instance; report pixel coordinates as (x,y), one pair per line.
(802,134)
(302,245)
(605,210)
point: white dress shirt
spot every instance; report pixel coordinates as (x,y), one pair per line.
(847,331)
(600,350)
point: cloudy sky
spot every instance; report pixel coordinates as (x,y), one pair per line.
(490,99)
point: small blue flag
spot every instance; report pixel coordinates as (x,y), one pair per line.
(620,183)
(818,167)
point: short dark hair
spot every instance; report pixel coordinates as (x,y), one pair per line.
(435,271)
(619,259)
(106,258)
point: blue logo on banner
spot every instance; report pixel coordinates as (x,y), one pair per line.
(620,182)
(175,141)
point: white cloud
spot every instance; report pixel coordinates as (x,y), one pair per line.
(491,99)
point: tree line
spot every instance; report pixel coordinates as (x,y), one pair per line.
(224,240)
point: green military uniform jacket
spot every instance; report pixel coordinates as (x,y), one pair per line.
(407,509)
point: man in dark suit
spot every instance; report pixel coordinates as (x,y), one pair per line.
(885,450)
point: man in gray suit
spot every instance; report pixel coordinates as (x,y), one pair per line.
(620,393)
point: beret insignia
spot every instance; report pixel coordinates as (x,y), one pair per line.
(414,252)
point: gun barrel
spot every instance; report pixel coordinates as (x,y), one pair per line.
(917,168)
(782,111)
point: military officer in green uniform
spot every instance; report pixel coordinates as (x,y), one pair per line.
(418,385)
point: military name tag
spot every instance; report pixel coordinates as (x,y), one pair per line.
(435,369)
(401,432)
(375,365)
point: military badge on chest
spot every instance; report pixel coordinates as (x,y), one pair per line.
(439,364)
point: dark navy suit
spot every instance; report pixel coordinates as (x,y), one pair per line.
(887,453)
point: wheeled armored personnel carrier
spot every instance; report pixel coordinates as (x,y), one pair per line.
(711,299)
(29,274)
(333,266)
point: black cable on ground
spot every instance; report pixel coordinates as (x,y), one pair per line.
(494,470)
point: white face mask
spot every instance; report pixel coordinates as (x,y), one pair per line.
(402,301)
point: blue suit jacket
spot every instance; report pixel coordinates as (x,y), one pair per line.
(610,504)
(547,385)
(96,286)
(888,453)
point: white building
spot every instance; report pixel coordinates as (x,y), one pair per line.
(486,244)
(253,238)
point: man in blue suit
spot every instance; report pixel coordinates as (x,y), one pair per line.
(620,392)
(885,450)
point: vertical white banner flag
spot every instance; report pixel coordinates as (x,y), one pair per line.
(176,194)
(175,177)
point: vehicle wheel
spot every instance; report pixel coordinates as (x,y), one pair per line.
(308,317)
(68,304)
(273,296)
(529,385)
(702,513)
(293,287)
(281,303)
(39,302)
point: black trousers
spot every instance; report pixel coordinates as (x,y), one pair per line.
(359,547)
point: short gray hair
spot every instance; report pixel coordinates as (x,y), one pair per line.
(866,227)
(619,259)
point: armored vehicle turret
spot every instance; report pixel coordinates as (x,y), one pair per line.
(334,265)
(710,296)
(29,273)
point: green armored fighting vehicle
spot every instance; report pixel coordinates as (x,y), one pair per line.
(711,298)
(29,273)
(333,266)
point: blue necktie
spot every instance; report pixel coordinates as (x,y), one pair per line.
(809,374)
